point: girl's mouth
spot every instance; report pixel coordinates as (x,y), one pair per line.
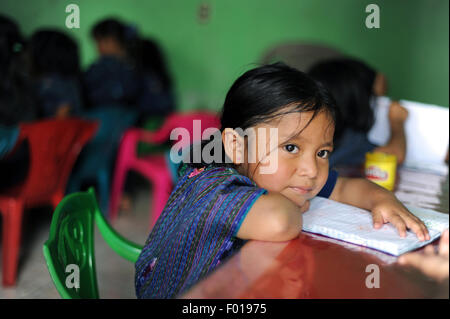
(301,190)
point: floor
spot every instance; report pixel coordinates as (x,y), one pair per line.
(115,275)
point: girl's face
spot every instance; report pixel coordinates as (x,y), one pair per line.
(109,46)
(301,158)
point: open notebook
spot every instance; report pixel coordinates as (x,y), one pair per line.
(351,224)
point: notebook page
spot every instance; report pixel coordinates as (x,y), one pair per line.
(351,224)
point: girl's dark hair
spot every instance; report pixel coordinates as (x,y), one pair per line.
(52,51)
(16,101)
(350,81)
(151,59)
(260,94)
(257,96)
(110,28)
(11,44)
(126,35)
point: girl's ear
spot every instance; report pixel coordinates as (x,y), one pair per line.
(233,144)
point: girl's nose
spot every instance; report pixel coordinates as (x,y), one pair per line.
(307,166)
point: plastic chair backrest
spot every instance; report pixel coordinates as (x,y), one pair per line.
(186,121)
(301,56)
(54,147)
(71,242)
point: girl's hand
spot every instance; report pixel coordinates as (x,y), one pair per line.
(392,211)
(432,263)
(397,113)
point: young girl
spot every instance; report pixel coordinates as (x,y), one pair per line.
(17,103)
(215,207)
(56,73)
(156,96)
(112,79)
(355,86)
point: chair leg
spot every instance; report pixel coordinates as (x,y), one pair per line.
(103,189)
(117,189)
(12,227)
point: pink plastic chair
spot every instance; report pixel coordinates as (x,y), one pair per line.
(154,167)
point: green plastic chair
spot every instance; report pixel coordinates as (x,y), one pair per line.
(71,242)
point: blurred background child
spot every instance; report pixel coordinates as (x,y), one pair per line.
(55,67)
(16,102)
(113,78)
(354,85)
(156,97)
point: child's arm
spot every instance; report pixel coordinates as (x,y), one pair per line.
(432,263)
(63,110)
(385,207)
(273,217)
(397,141)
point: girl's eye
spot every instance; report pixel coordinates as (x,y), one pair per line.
(291,148)
(324,154)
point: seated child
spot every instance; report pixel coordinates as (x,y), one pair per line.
(156,96)
(112,79)
(56,70)
(17,103)
(354,86)
(250,193)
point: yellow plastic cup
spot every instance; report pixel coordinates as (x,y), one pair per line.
(381,169)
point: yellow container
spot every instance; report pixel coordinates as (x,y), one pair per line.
(381,169)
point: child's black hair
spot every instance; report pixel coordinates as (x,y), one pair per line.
(151,59)
(350,81)
(110,27)
(53,51)
(11,44)
(260,94)
(127,36)
(17,102)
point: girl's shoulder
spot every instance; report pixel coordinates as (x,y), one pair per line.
(213,174)
(206,171)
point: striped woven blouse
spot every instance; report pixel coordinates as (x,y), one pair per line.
(196,230)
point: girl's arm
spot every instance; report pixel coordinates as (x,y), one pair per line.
(397,141)
(63,110)
(385,207)
(273,217)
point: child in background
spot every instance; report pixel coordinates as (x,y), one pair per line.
(112,79)
(156,96)
(56,70)
(17,103)
(354,86)
(215,207)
